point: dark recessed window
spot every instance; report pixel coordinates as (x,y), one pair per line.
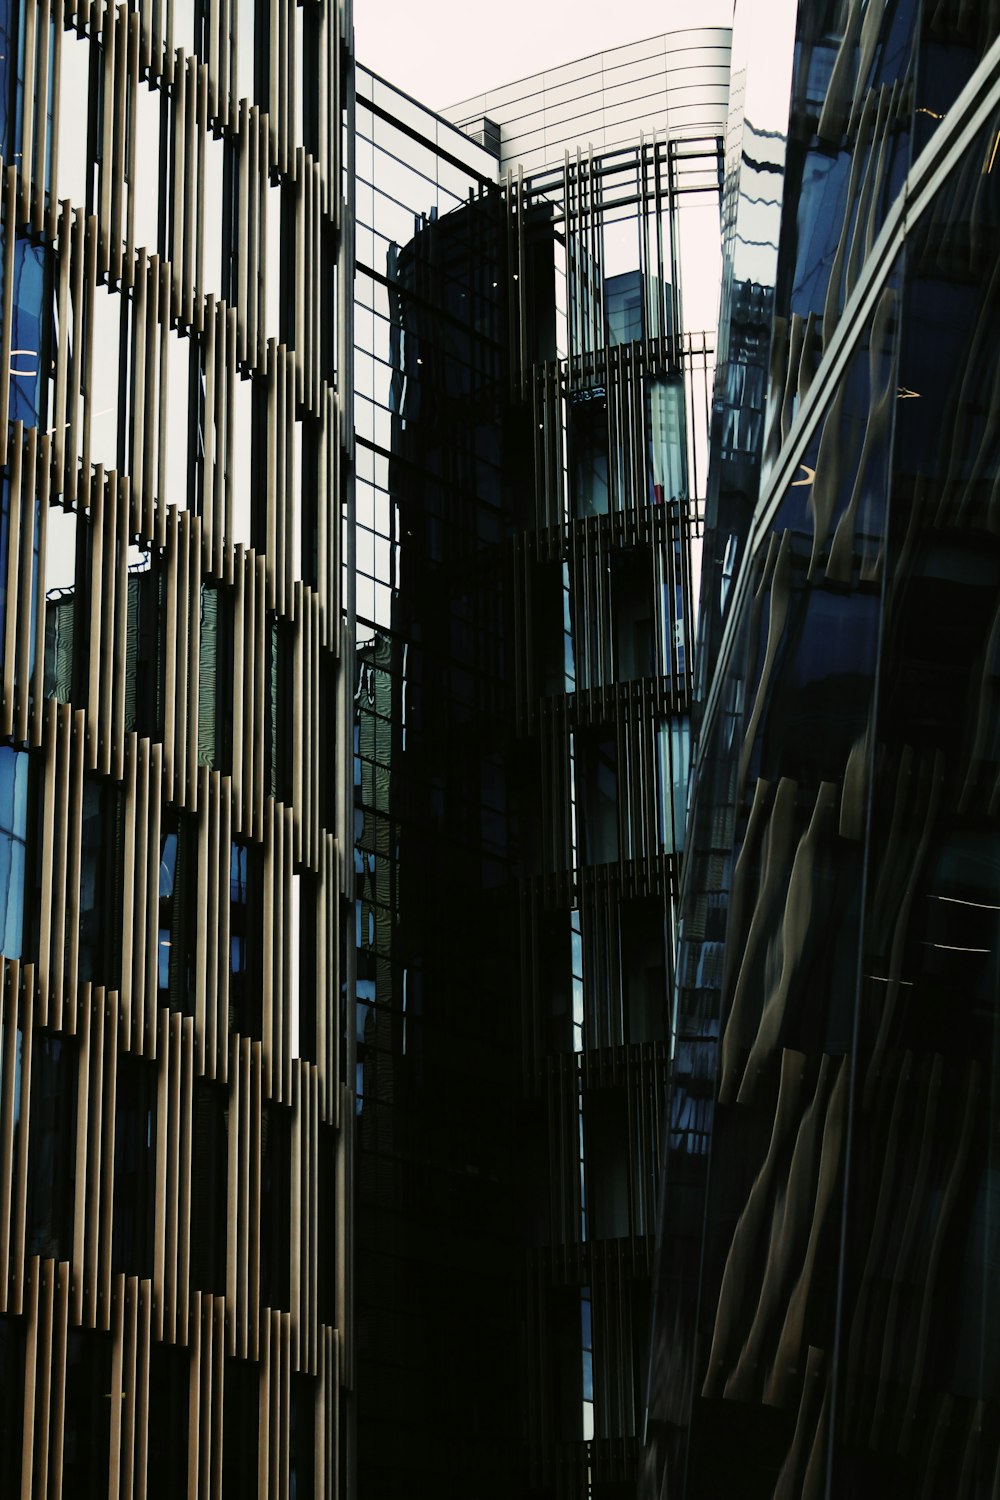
(241,1429)
(275,1205)
(246,917)
(12,1405)
(167,1455)
(178,913)
(209,1187)
(89,1398)
(51,1146)
(135,1167)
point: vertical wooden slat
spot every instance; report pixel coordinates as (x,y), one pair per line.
(103,740)
(241,1219)
(184,1169)
(29,1418)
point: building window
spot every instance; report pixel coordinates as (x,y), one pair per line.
(135,1167)
(29,352)
(607,1159)
(178,920)
(278,710)
(589,447)
(673,767)
(215,680)
(87,1439)
(51,1147)
(101,883)
(302,1438)
(275,1205)
(208,1188)
(14,768)
(597,798)
(246,916)
(12,1405)
(169,1395)
(632,599)
(145,668)
(240,1429)
(667,457)
(61,602)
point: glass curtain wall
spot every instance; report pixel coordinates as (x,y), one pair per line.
(826,1303)
(616,387)
(532,420)
(437,1062)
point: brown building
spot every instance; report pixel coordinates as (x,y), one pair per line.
(173,726)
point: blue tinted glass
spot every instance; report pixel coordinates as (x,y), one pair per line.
(13,829)
(26,336)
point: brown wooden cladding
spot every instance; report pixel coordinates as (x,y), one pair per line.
(188,490)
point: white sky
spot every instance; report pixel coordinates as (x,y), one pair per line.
(441,51)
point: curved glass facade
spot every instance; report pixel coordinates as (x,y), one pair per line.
(826,1284)
(676,83)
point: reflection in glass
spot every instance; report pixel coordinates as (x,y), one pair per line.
(245,926)
(674,746)
(61,602)
(14,767)
(623,307)
(587,1365)
(176,935)
(29,347)
(145,664)
(667,442)
(215,679)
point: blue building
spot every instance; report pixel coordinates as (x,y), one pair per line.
(826,1289)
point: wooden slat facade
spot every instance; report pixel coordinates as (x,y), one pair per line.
(175,393)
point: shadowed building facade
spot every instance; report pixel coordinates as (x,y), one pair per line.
(531,443)
(827,1315)
(177,659)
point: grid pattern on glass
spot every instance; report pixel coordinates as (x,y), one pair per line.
(679,81)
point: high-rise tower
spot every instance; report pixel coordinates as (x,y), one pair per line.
(175,379)
(826,1297)
(536,369)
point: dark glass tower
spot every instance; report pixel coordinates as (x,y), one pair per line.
(530,436)
(436,1165)
(827,1314)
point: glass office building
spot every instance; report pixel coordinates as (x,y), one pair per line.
(176,659)
(532,377)
(826,1298)
(675,86)
(436,1028)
